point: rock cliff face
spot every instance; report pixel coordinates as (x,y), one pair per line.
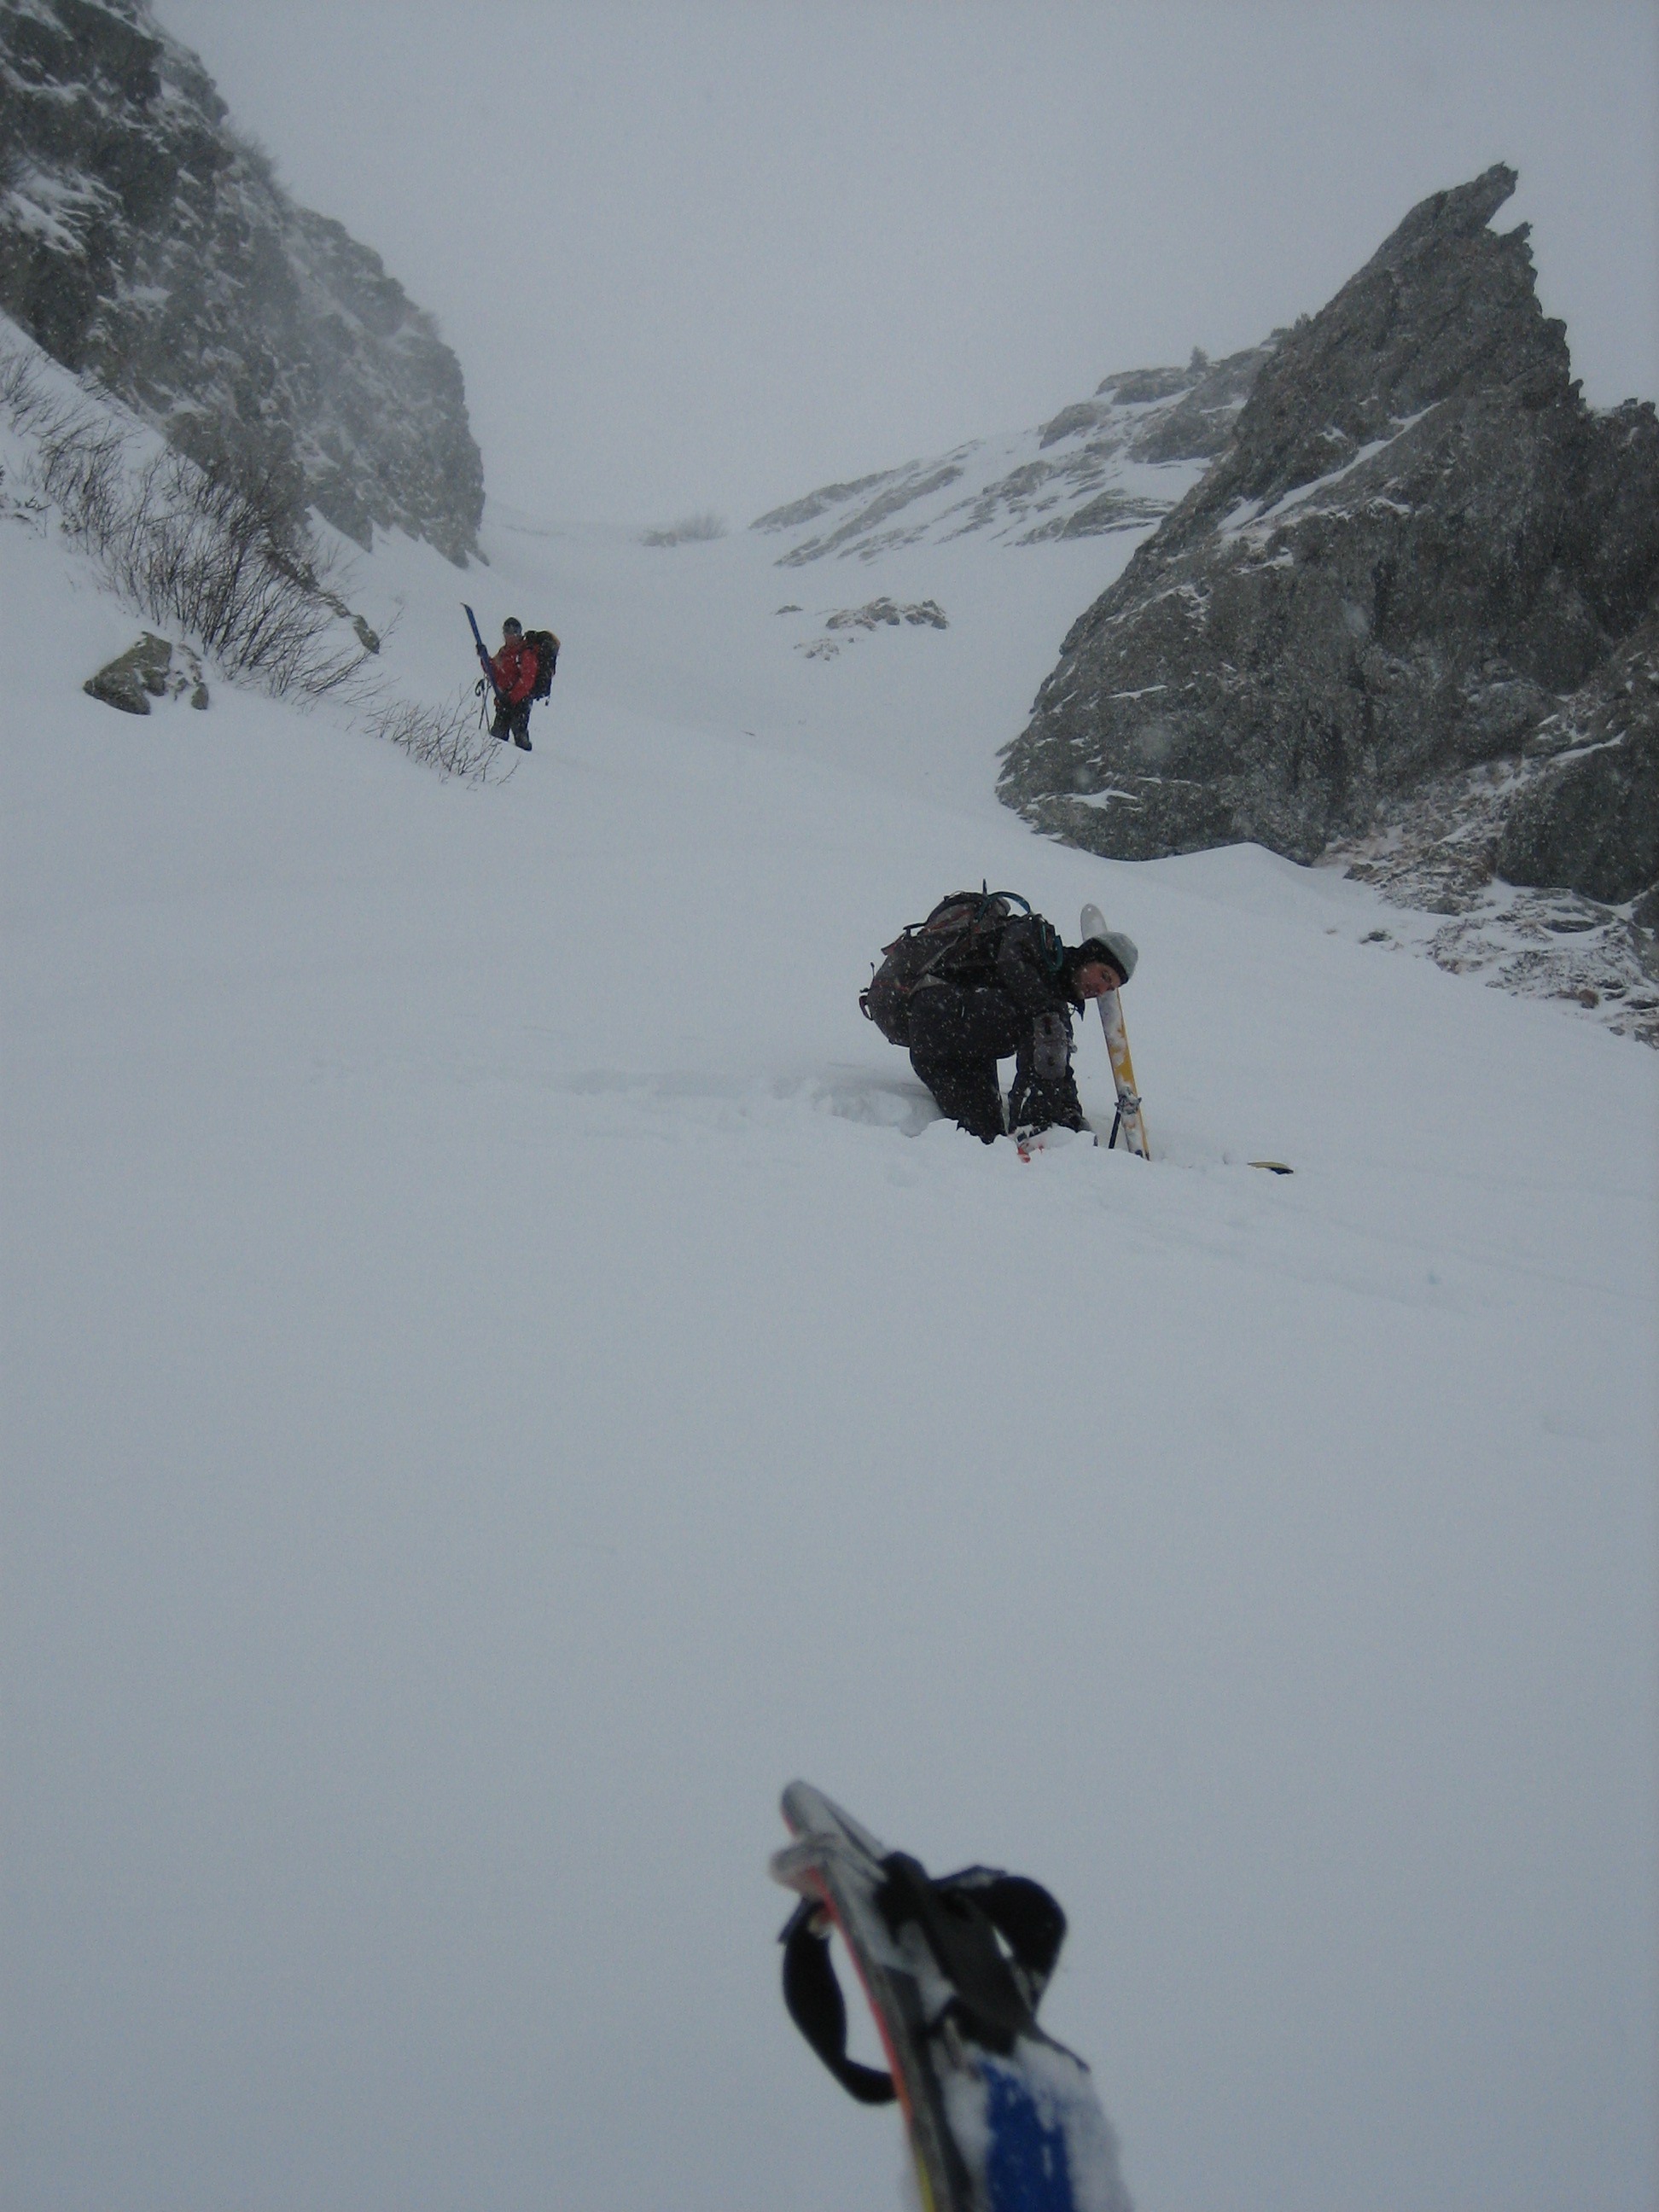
(1418,554)
(141,240)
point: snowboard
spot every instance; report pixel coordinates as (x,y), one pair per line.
(1130,1118)
(1013,2129)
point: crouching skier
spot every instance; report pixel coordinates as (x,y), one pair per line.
(978,983)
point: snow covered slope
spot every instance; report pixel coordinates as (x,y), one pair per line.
(503,1369)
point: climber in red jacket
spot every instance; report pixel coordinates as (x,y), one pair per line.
(515,668)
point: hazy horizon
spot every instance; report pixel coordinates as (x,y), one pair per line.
(713,255)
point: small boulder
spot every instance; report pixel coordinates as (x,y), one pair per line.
(136,676)
(152,669)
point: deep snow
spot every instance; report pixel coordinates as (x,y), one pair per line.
(503,1370)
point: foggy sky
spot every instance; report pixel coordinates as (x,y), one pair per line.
(716,254)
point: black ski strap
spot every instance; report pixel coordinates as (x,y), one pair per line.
(986,1999)
(1024,1913)
(818,2008)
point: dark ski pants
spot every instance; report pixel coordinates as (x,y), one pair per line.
(957,1035)
(512,722)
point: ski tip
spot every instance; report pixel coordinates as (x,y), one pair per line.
(795,1866)
(1273,1167)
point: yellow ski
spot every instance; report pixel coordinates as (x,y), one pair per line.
(1130,1118)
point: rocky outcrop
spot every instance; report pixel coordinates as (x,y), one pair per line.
(1416,551)
(1165,414)
(884,613)
(142,241)
(875,614)
(1591,819)
(153,668)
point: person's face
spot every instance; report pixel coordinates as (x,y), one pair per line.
(512,637)
(1095,977)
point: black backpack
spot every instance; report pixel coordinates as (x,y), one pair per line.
(547,659)
(958,939)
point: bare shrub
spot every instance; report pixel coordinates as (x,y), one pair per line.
(213,552)
(20,387)
(80,467)
(210,551)
(689,530)
(450,739)
(258,156)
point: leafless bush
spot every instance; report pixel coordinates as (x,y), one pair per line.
(209,551)
(29,400)
(195,549)
(80,467)
(449,738)
(258,156)
(213,554)
(689,530)
(20,384)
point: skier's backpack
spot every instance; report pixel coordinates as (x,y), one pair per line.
(546,647)
(959,936)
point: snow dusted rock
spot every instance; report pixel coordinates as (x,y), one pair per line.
(1434,853)
(921,614)
(153,668)
(1591,819)
(1117,462)
(883,613)
(142,241)
(1417,549)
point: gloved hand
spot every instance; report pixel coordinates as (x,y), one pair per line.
(1034,1105)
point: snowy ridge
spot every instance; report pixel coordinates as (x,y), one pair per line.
(1118,462)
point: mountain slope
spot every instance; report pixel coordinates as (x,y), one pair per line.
(503,1368)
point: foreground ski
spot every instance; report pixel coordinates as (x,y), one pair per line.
(1000,2118)
(1129,1118)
